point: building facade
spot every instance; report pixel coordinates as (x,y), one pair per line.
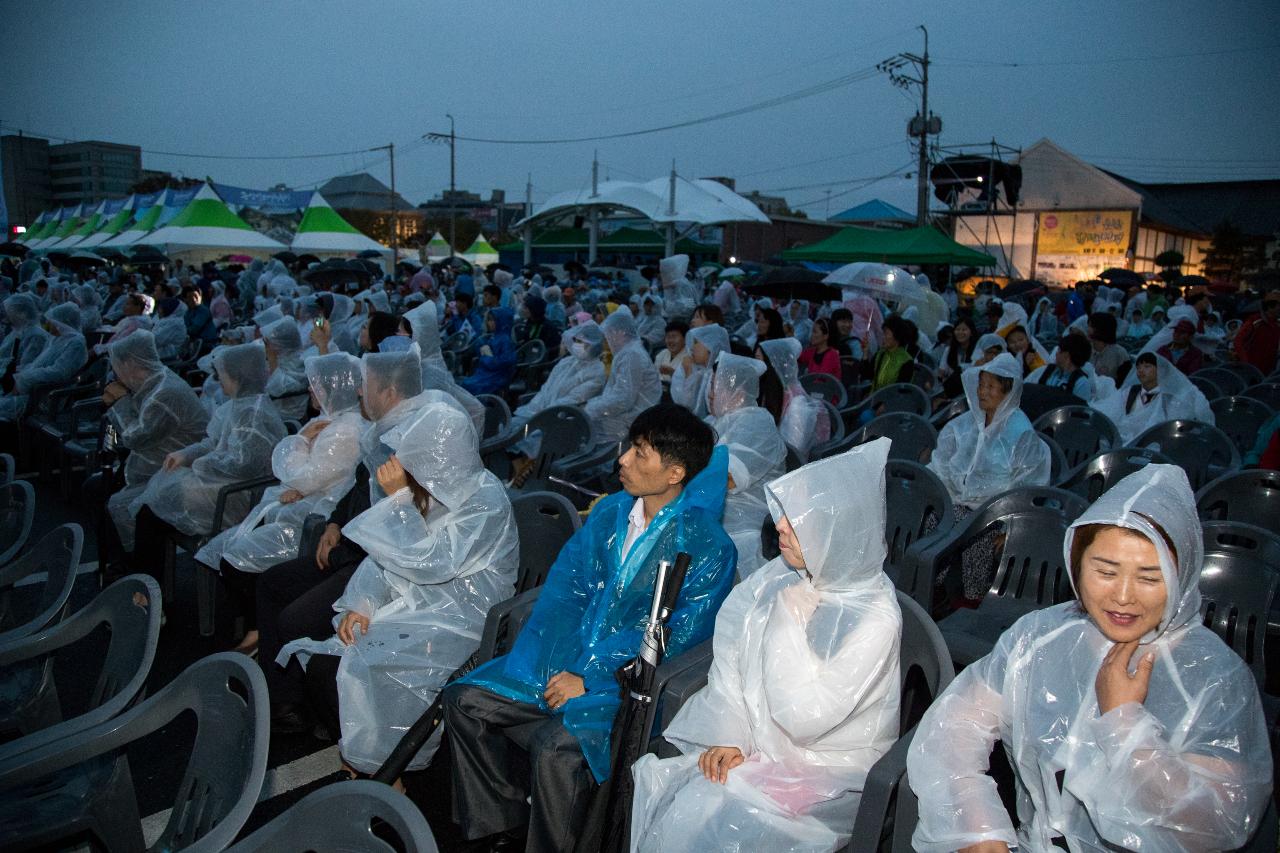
(85,172)
(24,173)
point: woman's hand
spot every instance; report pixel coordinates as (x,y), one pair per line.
(801,599)
(562,687)
(391,476)
(290,496)
(321,336)
(347,627)
(174,461)
(717,761)
(986,847)
(313,428)
(686,365)
(486,351)
(1114,685)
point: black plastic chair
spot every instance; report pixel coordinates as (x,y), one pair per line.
(57,557)
(1207,386)
(343,817)
(17,512)
(1080,431)
(7,468)
(82,782)
(1030,573)
(924,377)
(1058,468)
(913,437)
(1237,588)
(1229,383)
(130,609)
(545,521)
(914,496)
(1240,418)
(1038,400)
(1109,467)
(823,450)
(1245,497)
(1265,392)
(531,352)
(565,430)
(825,387)
(950,411)
(898,397)
(1246,371)
(1202,450)
(497,414)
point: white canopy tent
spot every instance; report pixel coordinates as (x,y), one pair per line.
(323,232)
(206,228)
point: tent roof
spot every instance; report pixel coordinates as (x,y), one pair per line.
(324,230)
(113,226)
(69,222)
(702,201)
(876,210)
(480,246)
(207,223)
(632,240)
(925,245)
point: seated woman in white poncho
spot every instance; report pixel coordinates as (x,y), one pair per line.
(287,385)
(756,452)
(442,549)
(803,693)
(1174,756)
(692,378)
(1154,392)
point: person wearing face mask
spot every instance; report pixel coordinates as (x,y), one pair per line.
(288,379)
(1154,392)
(803,693)
(55,366)
(689,381)
(633,384)
(1128,724)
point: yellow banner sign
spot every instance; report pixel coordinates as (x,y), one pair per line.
(1084,232)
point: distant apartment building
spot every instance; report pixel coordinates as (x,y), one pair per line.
(24,173)
(91,171)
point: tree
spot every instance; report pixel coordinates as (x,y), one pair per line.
(1231,253)
(1170,262)
(165,181)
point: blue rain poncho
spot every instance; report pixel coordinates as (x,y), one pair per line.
(493,372)
(1189,768)
(56,365)
(426,586)
(589,617)
(26,339)
(159,415)
(804,682)
(633,384)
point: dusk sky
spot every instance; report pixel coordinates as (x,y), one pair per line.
(1154,90)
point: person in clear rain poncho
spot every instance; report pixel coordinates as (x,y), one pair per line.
(26,338)
(154,413)
(756,452)
(557,683)
(633,384)
(679,294)
(170,328)
(805,421)
(424,323)
(442,549)
(1174,756)
(55,366)
(802,697)
(287,385)
(692,378)
(1154,392)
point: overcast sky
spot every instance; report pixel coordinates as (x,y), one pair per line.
(1155,90)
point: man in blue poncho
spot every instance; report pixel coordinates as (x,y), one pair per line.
(530,730)
(496,355)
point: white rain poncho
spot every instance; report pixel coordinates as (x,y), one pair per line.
(1043,323)
(26,340)
(633,384)
(690,389)
(171,333)
(426,586)
(577,377)
(804,681)
(756,452)
(977,461)
(321,468)
(424,321)
(1163,335)
(1173,398)
(1189,768)
(679,294)
(798,318)
(237,446)
(288,382)
(159,415)
(55,366)
(90,304)
(804,419)
(651,326)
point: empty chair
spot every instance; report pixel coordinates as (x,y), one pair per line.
(825,387)
(497,414)
(1246,371)
(343,817)
(918,510)
(1109,467)
(546,521)
(531,352)
(130,609)
(81,783)
(1265,392)
(1202,450)
(913,437)
(953,409)
(565,431)
(1080,431)
(1030,572)
(837,432)
(898,397)
(17,511)
(1245,497)
(1207,386)
(1058,468)
(56,556)
(1237,587)
(1229,383)
(1038,400)
(1240,418)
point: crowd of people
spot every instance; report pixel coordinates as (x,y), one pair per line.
(1127,722)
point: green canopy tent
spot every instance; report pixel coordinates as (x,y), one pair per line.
(924,245)
(324,233)
(206,228)
(113,226)
(438,248)
(83,230)
(38,228)
(70,221)
(480,253)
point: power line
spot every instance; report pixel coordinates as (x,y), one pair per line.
(1102,60)
(866,182)
(56,138)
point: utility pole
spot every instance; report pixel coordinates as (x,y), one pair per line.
(395,213)
(593,226)
(452,138)
(671,211)
(924,124)
(528,229)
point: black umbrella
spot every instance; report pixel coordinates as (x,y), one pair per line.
(1185,281)
(285,256)
(146,254)
(489,270)
(1024,287)
(304,260)
(1117,277)
(794,283)
(607,828)
(108,252)
(370,253)
(17,250)
(333,271)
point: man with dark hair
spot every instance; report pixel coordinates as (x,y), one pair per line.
(1108,356)
(198,317)
(1182,351)
(1258,341)
(530,729)
(1067,370)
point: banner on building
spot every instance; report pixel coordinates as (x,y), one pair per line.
(1084,232)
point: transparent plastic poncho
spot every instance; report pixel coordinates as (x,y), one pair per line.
(679,294)
(423,320)
(633,384)
(426,586)
(1173,398)
(1187,769)
(56,365)
(804,681)
(588,619)
(690,389)
(321,468)
(289,378)
(977,461)
(26,339)
(805,421)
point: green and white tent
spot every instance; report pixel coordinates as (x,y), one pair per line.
(70,222)
(145,221)
(207,228)
(112,226)
(323,232)
(438,249)
(36,231)
(480,253)
(87,227)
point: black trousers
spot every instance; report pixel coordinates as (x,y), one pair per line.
(148,544)
(514,763)
(241,588)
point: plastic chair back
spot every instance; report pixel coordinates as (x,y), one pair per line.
(924,378)
(924,662)
(1202,450)
(503,623)
(913,437)
(1237,586)
(1229,382)
(342,817)
(1240,418)
(1080,431)
(823,450)
(1058,468)
(900,397)
(497,414)
(1109,467)
(17,512)
(545,521)
(1265,392)
(1038,400)
(1246,371)
(825,387)
(1207,386)
(1031,568)
(531,352)
(7,469)
(565,431)
(57,555)
(950,411)
(1244,497)
(914,496)
(130,609)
